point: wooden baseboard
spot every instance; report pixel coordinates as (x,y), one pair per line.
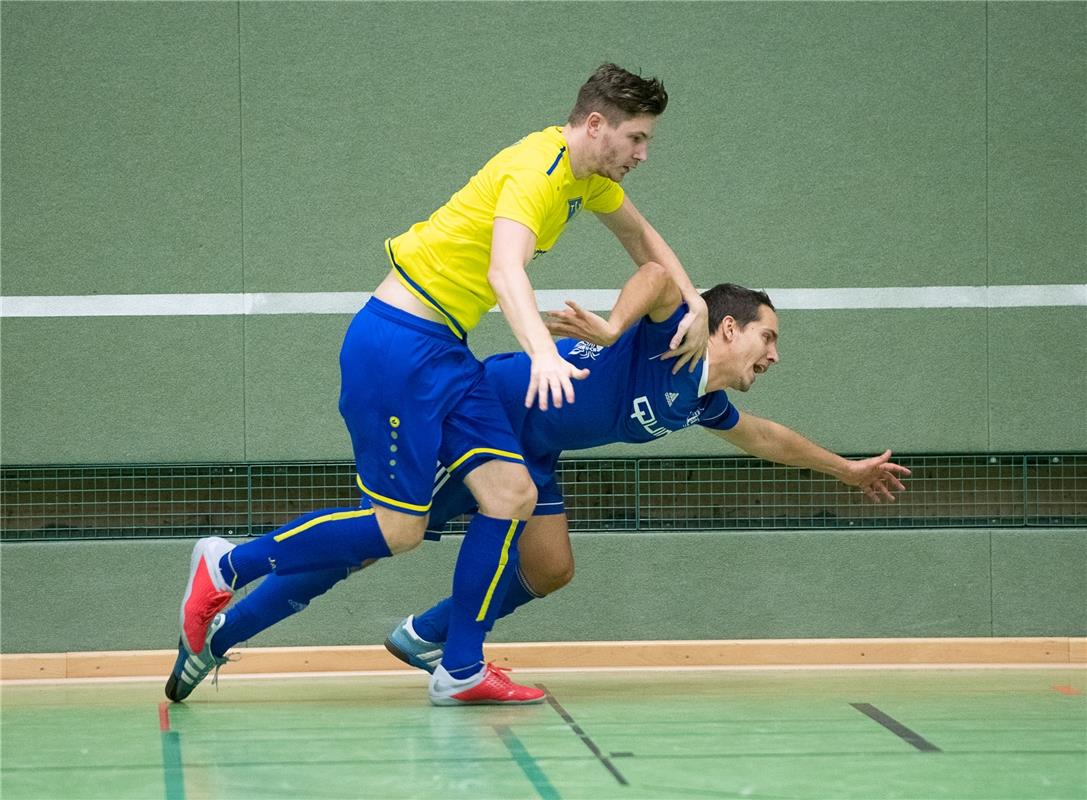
(543,655)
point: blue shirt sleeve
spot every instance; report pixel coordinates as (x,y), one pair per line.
(658,335)
(720,414)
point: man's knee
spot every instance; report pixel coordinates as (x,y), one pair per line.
(545,578)
(511,496)
(402,532)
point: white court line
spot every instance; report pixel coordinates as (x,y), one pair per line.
(257,304)
(418,675)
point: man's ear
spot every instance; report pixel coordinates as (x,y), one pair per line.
(728,327)
(594,123)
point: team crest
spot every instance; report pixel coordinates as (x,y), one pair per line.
(572,207)
(586,350)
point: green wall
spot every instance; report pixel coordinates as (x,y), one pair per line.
(270,147)
(954,582)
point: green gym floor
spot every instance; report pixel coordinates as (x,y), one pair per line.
(847,733)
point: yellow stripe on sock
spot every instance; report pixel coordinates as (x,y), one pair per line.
(334,517)
(478,450)
(505,557)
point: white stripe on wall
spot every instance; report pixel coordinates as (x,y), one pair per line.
(187,305)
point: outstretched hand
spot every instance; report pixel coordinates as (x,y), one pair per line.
(551,380)
(575,322)
(878,477)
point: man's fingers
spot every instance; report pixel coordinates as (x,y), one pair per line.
(568,389)
(557,390)
(694,361)
(530,395)
(681,332)
(683,358)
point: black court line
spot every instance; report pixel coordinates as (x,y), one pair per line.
(897,728)
(584,736)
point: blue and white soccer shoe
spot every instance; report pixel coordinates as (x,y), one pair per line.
(190,669)
(406,644)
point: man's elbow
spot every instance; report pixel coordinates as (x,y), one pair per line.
(654,270)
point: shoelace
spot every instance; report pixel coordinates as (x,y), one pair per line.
(229,658)
(498,674)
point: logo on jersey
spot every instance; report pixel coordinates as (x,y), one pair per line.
(643,412)
(572,207)
(586,350)
(670,397)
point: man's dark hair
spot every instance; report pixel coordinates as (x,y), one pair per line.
(738,302)
(618,95)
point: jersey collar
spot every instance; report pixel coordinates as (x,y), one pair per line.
(705,374)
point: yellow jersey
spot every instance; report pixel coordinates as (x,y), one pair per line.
(444,260)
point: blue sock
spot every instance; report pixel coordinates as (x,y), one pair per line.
(433,624)
(485,566)
(275,599)
(332,538)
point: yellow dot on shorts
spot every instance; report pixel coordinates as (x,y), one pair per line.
(394,421)
(392,462)
(392,448)
(395,435)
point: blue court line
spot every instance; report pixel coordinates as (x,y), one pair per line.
(527,764)
(172,772)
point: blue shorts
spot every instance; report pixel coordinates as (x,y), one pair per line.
(452,498)
(411,391)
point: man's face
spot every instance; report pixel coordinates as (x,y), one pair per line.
(624,146)
(754,347)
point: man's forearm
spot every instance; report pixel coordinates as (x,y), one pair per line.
(518,303)
(641,295)
(775,442)
(658,250)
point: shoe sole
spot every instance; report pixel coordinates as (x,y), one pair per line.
(407,657)
(449,701)
(174,684)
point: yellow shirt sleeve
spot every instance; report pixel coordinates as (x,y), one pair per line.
(527,197)
(605,196)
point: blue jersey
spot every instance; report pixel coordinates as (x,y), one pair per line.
(630,395)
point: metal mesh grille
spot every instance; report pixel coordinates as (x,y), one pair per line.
(87,502)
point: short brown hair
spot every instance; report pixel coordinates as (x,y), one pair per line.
(738,302)
(618,95)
